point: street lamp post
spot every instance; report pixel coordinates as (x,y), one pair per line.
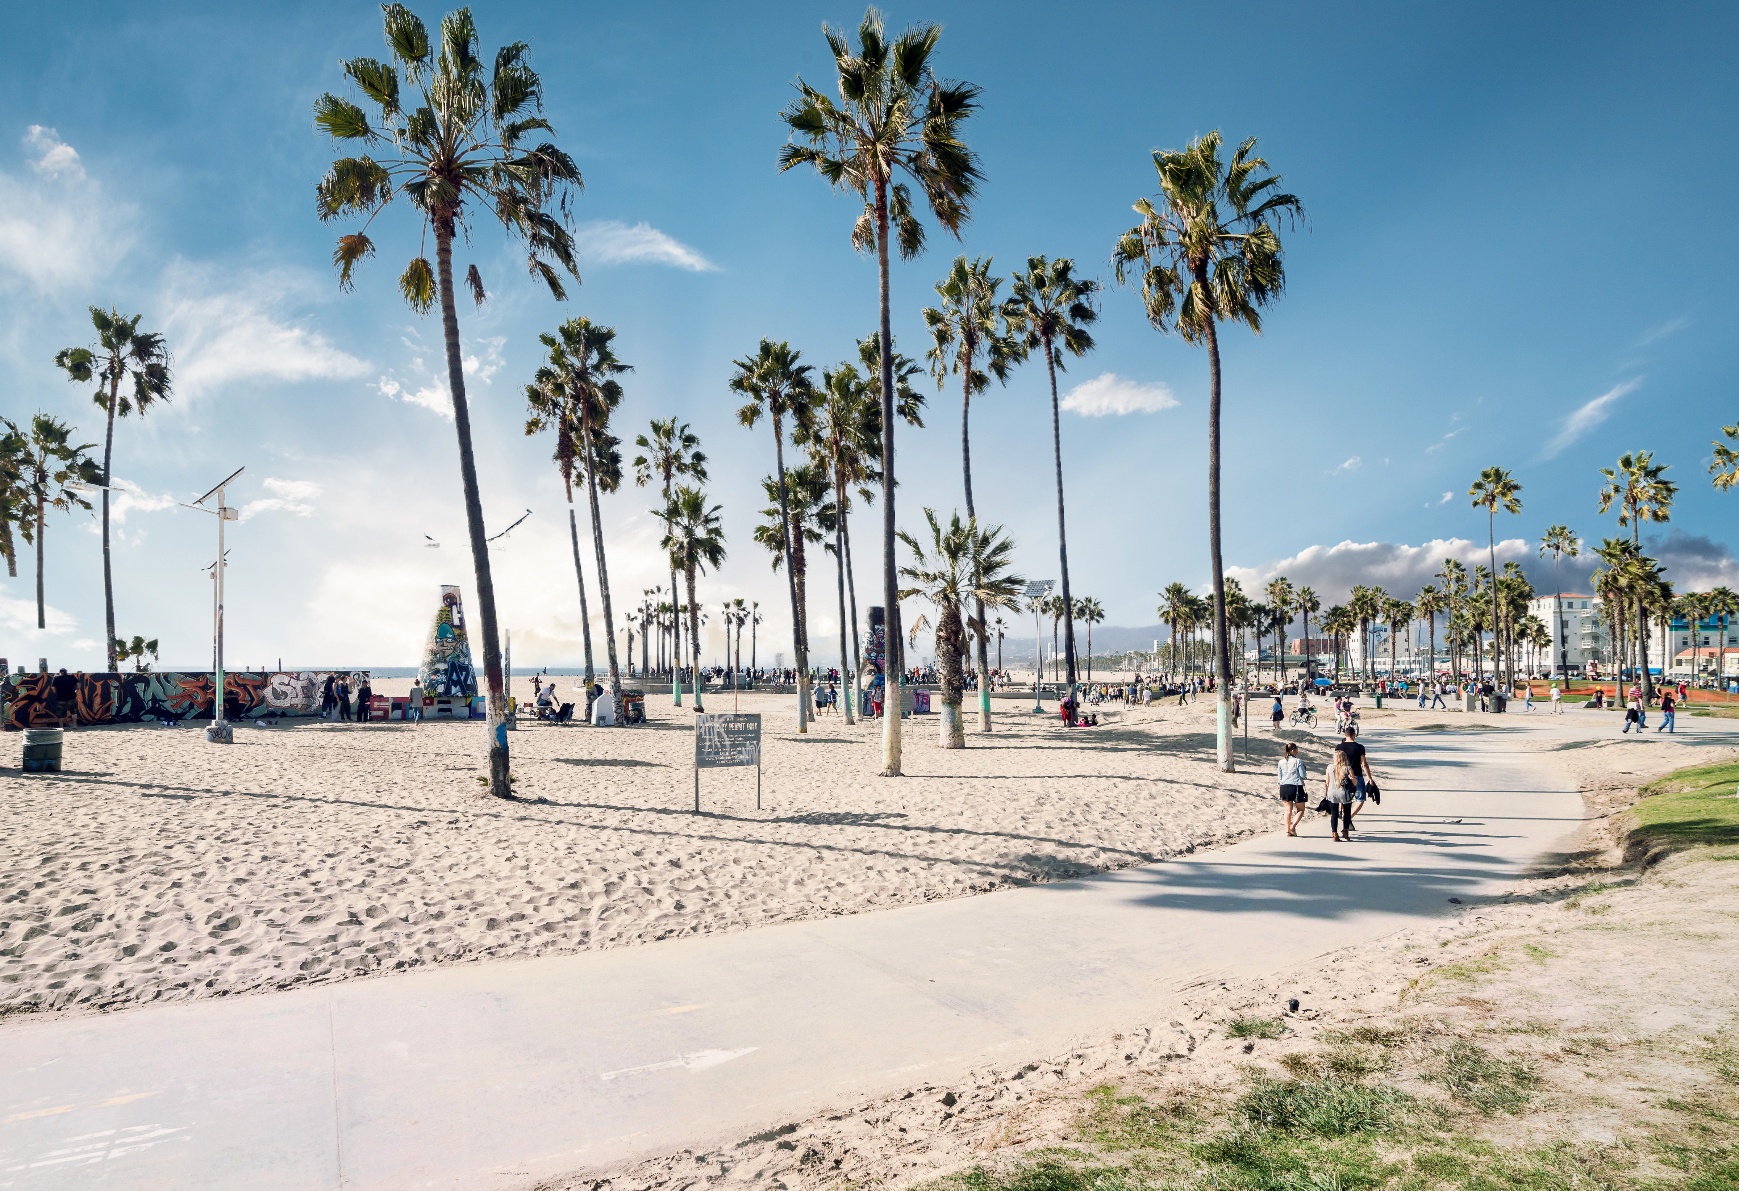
(1036,590)
(220,731)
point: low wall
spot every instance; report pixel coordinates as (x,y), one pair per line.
(168,697)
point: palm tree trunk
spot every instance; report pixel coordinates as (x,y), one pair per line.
(839,558)
(851,598)
(1062,527)
(41,604)
(791,579)
(580,578)
(500,784)
(694,635)
(950,637)
(983,650)
(1222,662)
(603,581)
(108,574)
(890,564)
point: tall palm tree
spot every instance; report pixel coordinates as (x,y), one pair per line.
(1560,542)
(778,386)
(1453,576)
(1338,622)
(1640,489)
(17,516)
(1307,604)
(1089,612)
(1724,468)
(1723,603)
(121,352)
(1427,606)
(1208,250)
(960,562)
(966,323)
(1398,614)
(1051,309)
(670,452)
(840,438)
(694,538)
(1694,607)
(1238,616)
(1279,593)
(1366,605)
(53,470)
(894,118)
(574,393)
(1172,611)
(800,513)
(1495,489)
(458,145)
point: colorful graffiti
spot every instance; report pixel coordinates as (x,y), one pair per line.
(169,697)
(447,671)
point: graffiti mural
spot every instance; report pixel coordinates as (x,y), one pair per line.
(168,697)
(446,671)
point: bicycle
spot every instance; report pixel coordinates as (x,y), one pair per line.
(1303,717)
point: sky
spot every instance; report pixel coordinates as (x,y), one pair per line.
(1516,252)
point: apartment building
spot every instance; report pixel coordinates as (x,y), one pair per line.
(1578,627)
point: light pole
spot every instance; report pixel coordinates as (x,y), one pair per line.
(1036,591)
(220,731)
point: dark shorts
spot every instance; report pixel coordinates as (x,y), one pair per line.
(1292,794)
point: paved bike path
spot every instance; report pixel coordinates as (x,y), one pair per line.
(493,1074)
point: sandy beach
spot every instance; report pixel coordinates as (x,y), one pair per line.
(160,867)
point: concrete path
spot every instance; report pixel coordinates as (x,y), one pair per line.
(494,1074)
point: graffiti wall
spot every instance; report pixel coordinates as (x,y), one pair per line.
(167,697)
(447,671)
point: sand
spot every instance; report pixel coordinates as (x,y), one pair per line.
(160,867)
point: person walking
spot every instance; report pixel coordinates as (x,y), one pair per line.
(1437,697)
(1669,707)
(364,702)
(1633,716)
(329,697)
(1528,700)
(1358,766)
(1337,797)
(1557,700)
(1292,787)
(414,704)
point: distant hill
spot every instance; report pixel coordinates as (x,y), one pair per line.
(1017,641)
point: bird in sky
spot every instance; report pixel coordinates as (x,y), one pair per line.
(430,543)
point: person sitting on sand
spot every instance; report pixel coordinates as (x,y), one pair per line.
(545,700)
(1292,788)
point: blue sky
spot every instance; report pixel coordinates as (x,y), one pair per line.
(1517,252)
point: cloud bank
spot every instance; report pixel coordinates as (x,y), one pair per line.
(58,229)
(226,335)
(1111,395)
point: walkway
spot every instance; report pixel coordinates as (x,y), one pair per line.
(494,1074)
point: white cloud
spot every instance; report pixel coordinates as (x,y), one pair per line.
(229,334)
(128,497)
(1352,464)
(54,157)
(1109,393)
(1586,417)
(431,397)
(612,242)
(18,618)
(483,368)
(429,390)
(1442,500)
(289,496)
(58,230)
(1670,327)
(1400,568)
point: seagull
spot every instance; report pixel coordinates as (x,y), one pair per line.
(430,543)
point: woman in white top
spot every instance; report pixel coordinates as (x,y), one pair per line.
(1292,788)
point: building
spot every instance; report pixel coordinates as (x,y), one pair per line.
(1578,627)
(1706,648)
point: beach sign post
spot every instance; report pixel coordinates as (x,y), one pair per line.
(726,739)
(1037,590)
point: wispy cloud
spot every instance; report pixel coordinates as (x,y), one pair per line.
(1109,394)
(1671,327)
(58,228)
(130,498)
(1455,428)
(1446,498)
(424,388)
(227,332)
(288,496)
(612,242)
(1353,463)
(1586,417)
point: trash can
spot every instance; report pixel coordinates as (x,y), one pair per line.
(1469,701)
(1498,702)
(1379,700)
(42,747)
(633,707)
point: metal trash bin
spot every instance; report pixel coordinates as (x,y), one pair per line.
(1379,697)
(1499,701)
(1469,701)
(42,749)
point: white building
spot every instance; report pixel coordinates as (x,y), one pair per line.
(1578,628)
(1676,648)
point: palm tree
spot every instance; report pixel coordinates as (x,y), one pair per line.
(121,352)
(1238,615)
(1208,250)
(839,438)
(1495,489)
(1000,626)
(1177,598)
(1338,622)
(799,513)
(1694,607)
(778,386)
(16,512)
(1089,612)
(671,451)
(1280,594)
(1307,604)
(961,562)
(1398,614)
(1051,309)
(894,117)
(1725,466)
(1723,603)
(462,142)
(1560,543)
(1428,605)
(965,323)
(694,537)
(1638,485)
(1453,576)
(575,393)
(54,469)
(1366,605)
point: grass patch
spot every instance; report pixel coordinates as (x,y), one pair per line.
(1538,954)
(1468,970)
(1481,1081)
(1322,1107)
(1691,808)
(1255,1027)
